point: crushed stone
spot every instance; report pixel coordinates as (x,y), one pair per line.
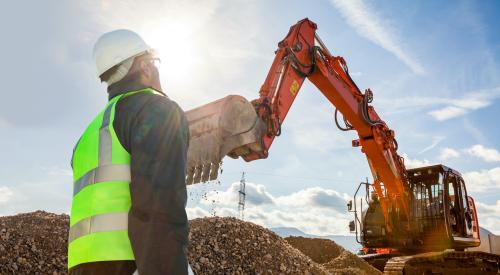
(36,243)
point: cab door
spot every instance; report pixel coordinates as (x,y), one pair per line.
(466,213)
(454,207)
(460,213)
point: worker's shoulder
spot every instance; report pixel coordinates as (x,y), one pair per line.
(149,103)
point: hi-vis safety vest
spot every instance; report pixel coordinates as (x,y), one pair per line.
(101,193)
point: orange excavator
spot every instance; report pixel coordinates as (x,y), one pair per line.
(421,219)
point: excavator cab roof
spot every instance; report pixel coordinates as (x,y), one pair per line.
(438,168)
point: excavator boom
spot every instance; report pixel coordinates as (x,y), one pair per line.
(300,55)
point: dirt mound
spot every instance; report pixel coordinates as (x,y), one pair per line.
(231,246)
(33,243)
(36,243)
(319,250)
(333,257)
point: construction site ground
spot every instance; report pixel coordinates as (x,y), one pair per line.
(36,243)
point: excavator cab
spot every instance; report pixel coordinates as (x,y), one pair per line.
(444,213)
(443,217)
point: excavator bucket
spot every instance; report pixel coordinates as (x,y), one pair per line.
(228,126)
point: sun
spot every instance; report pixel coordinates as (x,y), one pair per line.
(175,42)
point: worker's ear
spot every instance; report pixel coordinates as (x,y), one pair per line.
(145,69)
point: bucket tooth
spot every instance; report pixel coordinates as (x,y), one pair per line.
(215,171)
(206,172)
(197,174)
(189,175)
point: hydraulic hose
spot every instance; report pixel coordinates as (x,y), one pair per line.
(347,127)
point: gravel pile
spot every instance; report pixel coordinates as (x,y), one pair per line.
(231,246)
(319,250)
(333,257)
(34,243)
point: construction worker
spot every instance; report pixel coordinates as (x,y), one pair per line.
(128,211)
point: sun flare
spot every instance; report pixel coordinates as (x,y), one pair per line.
(174,41)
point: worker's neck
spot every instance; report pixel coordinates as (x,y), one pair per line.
(122,87)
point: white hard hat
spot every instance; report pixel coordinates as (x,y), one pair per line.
(114,47)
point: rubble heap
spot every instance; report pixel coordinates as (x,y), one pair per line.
(333,257)
(36,243)
(319,250)
(231,246)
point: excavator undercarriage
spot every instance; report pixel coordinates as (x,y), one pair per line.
(446,263)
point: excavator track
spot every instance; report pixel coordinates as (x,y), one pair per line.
(378,260)
(447,262)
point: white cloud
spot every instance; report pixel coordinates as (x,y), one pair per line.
(316,197)
(5,194)
(369,25)
(414,163)
(448,112)
(443,107)
(472,102)
(435,141)
(314,210)
(256,194)
(483,180)
(466,104)
(489,216)
(448,153)
(487,154)
(196,212)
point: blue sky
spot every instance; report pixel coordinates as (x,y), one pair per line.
(434,67)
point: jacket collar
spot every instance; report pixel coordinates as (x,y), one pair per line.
(123,87)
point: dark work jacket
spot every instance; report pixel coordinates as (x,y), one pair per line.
(154,130)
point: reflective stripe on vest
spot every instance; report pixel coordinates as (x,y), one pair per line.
(101,193)
(116,172)
(99,223)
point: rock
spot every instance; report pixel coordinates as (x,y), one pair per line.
(203,260)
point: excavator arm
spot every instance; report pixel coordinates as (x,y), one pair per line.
(303,55)
(415,207)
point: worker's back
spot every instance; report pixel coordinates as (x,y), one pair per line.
(128,211)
